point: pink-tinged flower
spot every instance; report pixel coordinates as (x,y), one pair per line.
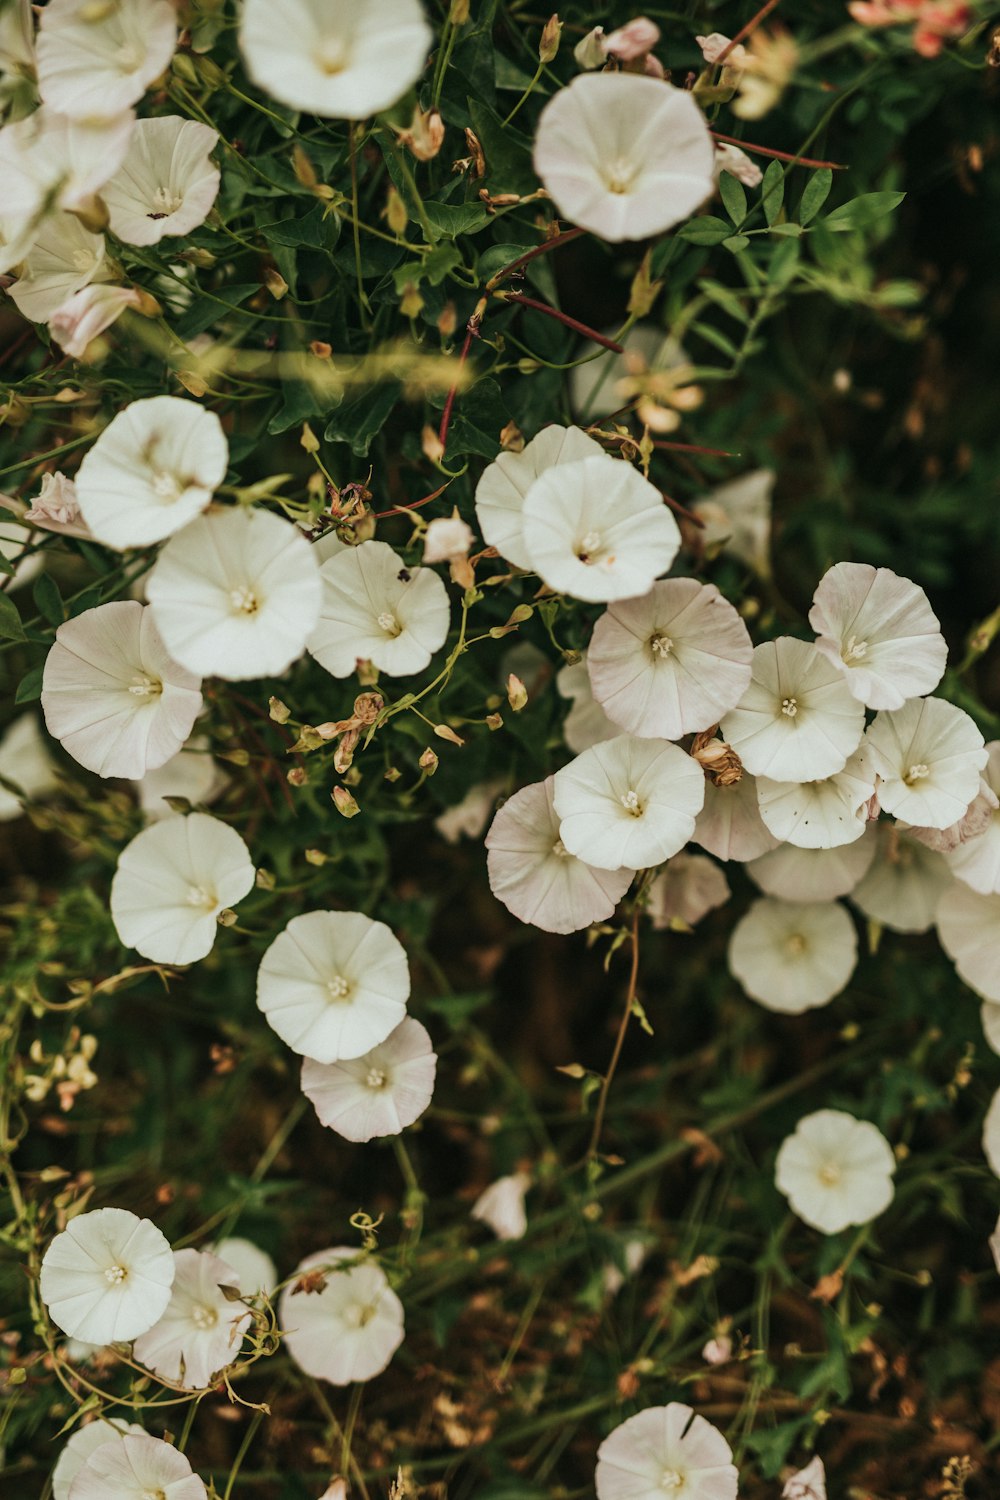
(378,1094)
(808,1484)
(56,508)
(447,537)
(730,825)
(714,46)
(905,882)
(689,887)
(88,312)
(976,860)
(96,60)
(968,925)
(929,755)
(135,1468)
(501,1206)
(632,42)
(350,1326)
(794,874)
(934,21)
(201,1329)
(880,631)
(736,162)
(792,957)
(666,1452)
(718,1351)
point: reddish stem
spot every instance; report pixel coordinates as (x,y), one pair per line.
(471,332)
(400,510)
(745,31)
(561,317)
(798,161)
(682,510)
(695,448)
(542,249)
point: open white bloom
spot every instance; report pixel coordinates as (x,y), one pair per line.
(533,873)
(56,508)
(151,471)
(808,1484)
(813,874)
(628,802)
(797,721)
(236,594)
(880,631)
(989,1015)
(976,820)
(976,861)
(201,1330)
(172,881)
(255,1270)
(94,61)
(929,755)
(820,814)
(737,519)
(350,1328)
(335,57)
(374,608)
(83,1442)
(138,1468)
(586,723)
(78,321)
(905,883)
(27,772)
(623,155)
(666,1453)
(600,384)
(379,1093)
(64,258)
(334,984)
(191,774)
(167,183)
(689,887)
(596,530)
(793,956)
(501,492)
(17,39)
(730,825)
(671,662)
(468,818)
(501,1206)
(835,1170)
(107,1277)
(15,538)
(994,1244)
(447,538)
(991,1134)
(112,695)
(968,925)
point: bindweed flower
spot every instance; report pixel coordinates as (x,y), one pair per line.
(928,755)
(666,1453)
(934,21)
(736,519)
(201,1330)
(137,1468)
(591,52)
(501,491)
(628,802)
(254,1268)
(835,1171)
(107,1277)
(167,183)
(730,825)
(501,1206)
(905,882)
(623,155)
(379,1093)
(56,508)
(599,387)
(793,956)
(172,882)
(689,887)
(718,48)
(991,1134)
(191,774)
(81,1444)
(794,874)
(976,860)
(880,631)
(26,767)
(374,608)
(731,159)
(64,258)
(78,321)
(468,818)
(586,723)
(820,814)
(808,1484)
(94,61)
(536,877)
(351,1327)
(968,926)
(447,538)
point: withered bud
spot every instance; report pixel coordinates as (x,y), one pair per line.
(226,917)
(445,732)
(512,438)
(517,693)
(459,12)
(549,44)
(344,802)
(476,153)
(297,776)
(428,761)
(494,721)
(279,712)
(394,213)
(308,439)
(425,134)
(275,283)
(368,706)
(343,757)
(448,320)
(315,857)
(719,760)
(411,303)
(320,349)
(264,880)
(431,445)
(192,383)
(305,172)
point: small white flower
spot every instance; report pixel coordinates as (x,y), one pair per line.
(78,321)
(880,631)
(731,159)
(929,755)
(989,1015)
(501,1206)
(737,519)
(172,881)
(151,471)
(976,861)
(968,925)
(628,803)
(689,887)
(107,1277)
(820,814)
(666,1453)
(808,1484)
(351,1328)
(671,662)
(536,877)
(797,720)
(255,1270)
(96,60)
(236,594)
(374,608)
(63,259)
(201,1331)
(167,183)
(56,508)
(794,874)
(345,62)
(976,820)
(137,1468)
(501,492)
(379,1093)
(905,883)
(586,723)
(112,695)
(191,774)
(592,51)
(991,1134)
(623,155)
(793,956)
(334,984)
(83,1442)
(27,771)
(730,825)
(468,818)
(835,1171)
(599,385)
(447,537)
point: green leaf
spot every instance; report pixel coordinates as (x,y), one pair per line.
(48,599)
(11,628)
(30,686)
(787,231)
(319,229)
(452,219)
(772,192)
(784,263)
(724,298)
(480,416)
(815,194)
(705,231)
(507,151)
(736,243)
(863,212)
(733,196)
(360,420)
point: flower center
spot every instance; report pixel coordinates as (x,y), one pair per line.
(661,645)
(243,600)
(331,56)
(918,772)
(375,1078)
(620,174)
(203,1316)
(198,895)
(387,621)
(829,1174)
(115,1275)
(795,944)
(338,988)
(166,487)
(789,707)
(130,56)
(854,650)
(144,686)
(630,802)
(83,260)
(165,203)
(559,850)
(154,1495)
(671,1479)
(588,546)
(357,1314)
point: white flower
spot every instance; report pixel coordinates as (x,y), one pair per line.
(334,984)
(808,1484)
(468,818)
(793,956)
(27,772)
(343,61)
(730,825)
(586,723)
(596,530)
(904,885)
(717,46)
(78,321)
(64,258)
(350,1329)
(929,755)
(15,538)
(797,721)
(976,861)
(991,1134)
(975,820)
(880,631)
(56,508)
(968,925)
(600,384)
(255,1270)
(447,537)
(17,42)
(813,874)
(666,1453)
(835,1171)
(236,594)
(172,881)
(501,1206)
(96,60)
(83,1442)
(137,1468)
(628,802)
(375,608)
(731,159)
(671,662)
(623,155)
(167,183)
(989,1015)
(501,492)
(689,887)
(592,50)
(191,774)
(820,814)
(201,1330)
(112,695)
(737,519)
(151,471)
(533,873)
(379,1093)
(107,1277)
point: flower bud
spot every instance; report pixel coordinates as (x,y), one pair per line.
(517,693)
(394,213)
(428,761)
(592,51)
(549,44)
(633,42)
(278,711)
(344,802)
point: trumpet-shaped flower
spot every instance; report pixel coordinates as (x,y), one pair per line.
(929,755)
(730,825)
(905,882)
(379,1093)
(201,1329)
(167,183)
(880,631)
(793,956)
(254,1268)
(628,803)
(991,1134)
(598,387)
(736,519)
(835,1171)
(666,1453)
(689,887)
(794,874)
(84,316)
(349,1327)
(501,492)
(94,61)
(976,861)
(501,1206)
(107,1277)
(138,1468)
(171,883)
(56,508)
(808,1484)
(191,774)
(83,1442)
(586,723)
(374,608)
(623,155)
(27,772)
(820,814)
(968,925)
(64,258)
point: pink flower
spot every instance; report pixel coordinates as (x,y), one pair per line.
(933,23)
(632,43)
(87,313)
(56,507)
(713,47)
